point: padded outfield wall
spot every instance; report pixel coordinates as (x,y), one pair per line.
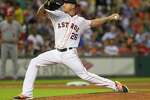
(110,66)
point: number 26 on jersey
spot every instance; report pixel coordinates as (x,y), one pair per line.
(74,36)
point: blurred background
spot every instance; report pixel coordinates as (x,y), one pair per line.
(119,48)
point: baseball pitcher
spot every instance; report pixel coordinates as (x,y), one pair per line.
(68,27)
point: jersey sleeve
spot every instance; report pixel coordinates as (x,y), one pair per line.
(87,23)
(53,15)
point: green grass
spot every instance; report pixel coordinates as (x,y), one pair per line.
(7,93)
(126,79)
(61,92)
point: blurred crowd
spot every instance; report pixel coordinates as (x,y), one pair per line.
(130,36)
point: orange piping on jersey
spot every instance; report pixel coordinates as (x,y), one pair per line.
(68,35)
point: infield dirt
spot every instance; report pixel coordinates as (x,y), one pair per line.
(138,91)
(102,96)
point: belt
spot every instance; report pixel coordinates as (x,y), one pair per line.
(65,49)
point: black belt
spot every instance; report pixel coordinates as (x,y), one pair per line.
(65,49)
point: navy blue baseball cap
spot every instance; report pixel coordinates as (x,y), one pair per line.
(70,1)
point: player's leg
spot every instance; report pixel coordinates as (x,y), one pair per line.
(14,57)
(73,62)
(4,55)
(44,59)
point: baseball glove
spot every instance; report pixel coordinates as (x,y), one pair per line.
(53,4)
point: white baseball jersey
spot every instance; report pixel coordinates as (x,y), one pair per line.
(67,29)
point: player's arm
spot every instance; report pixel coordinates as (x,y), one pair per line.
(98,21)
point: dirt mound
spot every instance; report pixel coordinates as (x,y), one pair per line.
(102,96)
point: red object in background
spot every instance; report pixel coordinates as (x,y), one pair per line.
(149,16)
(4,8)
(137,27)
(22,36)
(87,64)
(124,51)
(93,51)
(130,41)
(9,11)
(135,3)
(26,13)
(141,15)
(142,49)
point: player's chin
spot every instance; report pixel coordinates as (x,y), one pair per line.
(65,10)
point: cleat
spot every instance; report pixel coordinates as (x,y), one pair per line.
(121,88)
(22,97)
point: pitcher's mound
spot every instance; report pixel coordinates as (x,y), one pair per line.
(101,96)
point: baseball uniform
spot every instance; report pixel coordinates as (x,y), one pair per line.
(10,32)
(68,30)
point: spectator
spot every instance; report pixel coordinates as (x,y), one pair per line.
(35,40)
(110,48)
(19,14)
(111,34)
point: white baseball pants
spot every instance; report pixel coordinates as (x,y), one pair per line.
(69,58)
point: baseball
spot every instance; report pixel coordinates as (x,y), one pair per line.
(116,17)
